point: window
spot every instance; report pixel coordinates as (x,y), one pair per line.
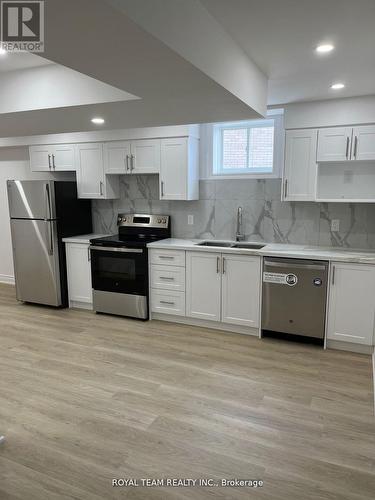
(246,148)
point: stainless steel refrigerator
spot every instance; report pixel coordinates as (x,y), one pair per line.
(41,214)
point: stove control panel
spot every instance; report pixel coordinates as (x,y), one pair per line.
(143,220)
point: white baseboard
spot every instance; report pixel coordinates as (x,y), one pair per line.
(4,278)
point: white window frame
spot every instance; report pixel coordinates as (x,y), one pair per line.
(211,148)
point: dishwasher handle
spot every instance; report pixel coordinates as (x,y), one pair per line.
(294,265)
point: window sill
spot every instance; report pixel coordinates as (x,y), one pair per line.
(239,176)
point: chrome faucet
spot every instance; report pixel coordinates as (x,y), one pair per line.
(239,233)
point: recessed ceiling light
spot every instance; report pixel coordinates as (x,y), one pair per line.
(2,51)
(324,48)
(98,121)
(337,86)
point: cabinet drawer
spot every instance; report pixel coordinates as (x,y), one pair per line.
(168,257)
(168,302)
(168,277)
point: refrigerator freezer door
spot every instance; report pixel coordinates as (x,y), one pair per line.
(31,199)
(36,263)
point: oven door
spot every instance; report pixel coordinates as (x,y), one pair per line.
(121,270)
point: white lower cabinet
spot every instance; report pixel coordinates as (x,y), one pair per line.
(240,290)
(79,275)
(223,287)
(351,303)
(203,285)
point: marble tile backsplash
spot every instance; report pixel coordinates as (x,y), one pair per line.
(265,217)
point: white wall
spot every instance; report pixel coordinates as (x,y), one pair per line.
(330,113)
(14,164)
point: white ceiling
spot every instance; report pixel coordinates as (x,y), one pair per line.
(280,37)
(21,60)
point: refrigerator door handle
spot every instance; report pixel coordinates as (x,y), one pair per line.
(49,237)
(48,203)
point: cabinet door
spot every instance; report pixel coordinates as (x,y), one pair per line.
(79,272)
(300,165)
(203,285)
(363,143)
(240,290)
(352,303)
(90,170)
(173,169)
(40,158)
(63,157)
(145,156)
(334,144)
(117,157)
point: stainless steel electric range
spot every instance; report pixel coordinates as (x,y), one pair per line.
(119,264)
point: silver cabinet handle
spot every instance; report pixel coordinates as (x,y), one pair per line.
(355,147)
(53,162)
(285,188)
(49,161)
(347,147)
(132,158)
(166,257)
(217,264)
(162,188)
(101,188)
(224,265)
(333,274)
(167,302)
(166,278)
(126,162)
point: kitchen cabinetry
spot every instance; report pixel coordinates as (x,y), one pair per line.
(92,182)
(364,143)
(351,310)
(167,282)
(179,169)
(132,157)
(334,144)
(52,158)
(240,290)
(223,287)
(346,144)
(79,275)
(300,165)
(203,285)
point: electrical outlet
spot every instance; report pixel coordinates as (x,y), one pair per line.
(335,225)
(190,220)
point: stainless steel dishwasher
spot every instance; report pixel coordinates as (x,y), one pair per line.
(294,296)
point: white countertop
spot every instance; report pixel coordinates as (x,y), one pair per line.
(276,250)
(83,238)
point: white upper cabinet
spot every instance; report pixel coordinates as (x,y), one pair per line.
(334,144)
(145,156)
(117,157)
(63,157)
(300,165)
(179,169)
(363,143)
(40,158)
(91,179)
(52,158)
(132,157)
(240,290)
(352,303)
(203,285)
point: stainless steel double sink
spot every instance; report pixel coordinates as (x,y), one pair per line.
(229,244)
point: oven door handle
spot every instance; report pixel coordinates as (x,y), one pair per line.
(117,249)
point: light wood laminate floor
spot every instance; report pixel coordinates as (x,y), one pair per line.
(85,398)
